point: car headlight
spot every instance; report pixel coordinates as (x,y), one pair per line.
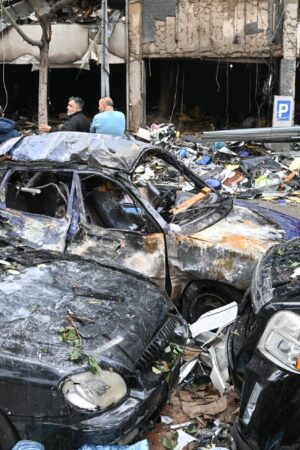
(261,286)
(94,392)
(280,341)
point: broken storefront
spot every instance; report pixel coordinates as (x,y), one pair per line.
(205,64)
(211,64)
(74,58)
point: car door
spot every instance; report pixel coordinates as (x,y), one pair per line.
(115,228)
(36,208)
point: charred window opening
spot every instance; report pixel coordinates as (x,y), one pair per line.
(163,185)
(108,206)
(22,88)
(206,95)
(175,196)
(44,193)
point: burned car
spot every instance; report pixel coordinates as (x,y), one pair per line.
(78,346)
(121,201)
(264,354)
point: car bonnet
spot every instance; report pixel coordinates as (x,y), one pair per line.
(290,225)
(114,312)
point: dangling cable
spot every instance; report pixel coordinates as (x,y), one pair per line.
(182,95)
(250,89)
(175,96)
(3,62)
(227,95)
(217,73)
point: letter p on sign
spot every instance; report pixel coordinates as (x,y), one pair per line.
(283,113)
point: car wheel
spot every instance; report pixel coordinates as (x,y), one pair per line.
(8,433)
(201,298)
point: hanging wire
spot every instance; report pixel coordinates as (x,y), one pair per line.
(257,92)
(250,89)
(182,96)
(217,73)
(227,94)
(175,96)
(3,62)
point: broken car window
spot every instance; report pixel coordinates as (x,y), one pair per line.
(44,193)
(109,206)
(176,196)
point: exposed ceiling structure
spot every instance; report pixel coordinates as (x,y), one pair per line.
(79,25)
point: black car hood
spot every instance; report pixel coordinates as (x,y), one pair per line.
(115,312)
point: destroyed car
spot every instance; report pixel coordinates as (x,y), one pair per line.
(85,358)
(121,201)
(264,354)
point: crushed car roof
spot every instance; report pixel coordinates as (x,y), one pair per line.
(73,147)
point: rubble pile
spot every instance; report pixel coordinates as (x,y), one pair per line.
(196,417)
(244,170)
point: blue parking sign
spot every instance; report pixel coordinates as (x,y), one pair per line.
(283,111)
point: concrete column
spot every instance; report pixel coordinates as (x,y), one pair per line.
(289,43)
(135,68)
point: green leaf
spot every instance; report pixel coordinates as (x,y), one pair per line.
(168,349)
(166,442)
(168,377)
(178,348)
(93,365)
(74,354)
(32,308)
(156,370)
(295,264)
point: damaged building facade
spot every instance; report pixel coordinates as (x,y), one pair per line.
(217,61)
(222,57)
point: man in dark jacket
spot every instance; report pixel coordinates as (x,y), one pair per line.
(7,128)
(77,120)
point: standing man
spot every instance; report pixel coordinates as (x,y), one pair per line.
(7,128)
(108,121)
(77,120)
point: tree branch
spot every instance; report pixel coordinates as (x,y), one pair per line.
(19,30)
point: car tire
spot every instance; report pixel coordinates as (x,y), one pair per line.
(8,433)
(202,297)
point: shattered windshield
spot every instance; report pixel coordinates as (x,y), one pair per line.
(181,200)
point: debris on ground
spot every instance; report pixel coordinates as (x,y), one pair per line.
(142,445)
(204,405)
(196,409)
(32,445)
(245,170)
(199,411)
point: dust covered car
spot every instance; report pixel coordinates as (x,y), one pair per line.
(124,202)
(82,350)
(264,354)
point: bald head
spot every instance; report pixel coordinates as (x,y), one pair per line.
(106,104)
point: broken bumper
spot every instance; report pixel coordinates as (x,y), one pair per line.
(269,414)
